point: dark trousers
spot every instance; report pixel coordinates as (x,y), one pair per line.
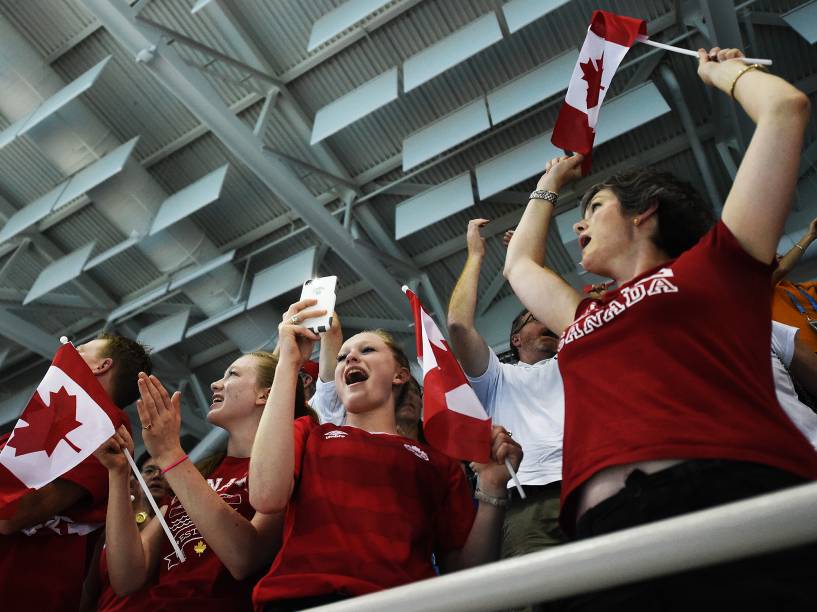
(781,581)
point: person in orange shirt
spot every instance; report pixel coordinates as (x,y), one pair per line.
(795,304)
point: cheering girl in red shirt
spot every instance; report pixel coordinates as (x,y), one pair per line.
(365,507)
(226,542)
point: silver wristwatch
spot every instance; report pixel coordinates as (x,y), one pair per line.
(543,194)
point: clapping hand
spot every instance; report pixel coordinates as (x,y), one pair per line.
(160,415)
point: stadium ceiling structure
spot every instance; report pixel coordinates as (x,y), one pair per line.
(174,169)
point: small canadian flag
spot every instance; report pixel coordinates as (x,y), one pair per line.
(609,37)
(454,421)
(69,416)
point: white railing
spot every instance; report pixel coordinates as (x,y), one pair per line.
(759,525)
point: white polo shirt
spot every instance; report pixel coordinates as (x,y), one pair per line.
(528,401)
(782,353)
(326,403)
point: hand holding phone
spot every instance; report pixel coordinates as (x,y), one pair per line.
(323,291)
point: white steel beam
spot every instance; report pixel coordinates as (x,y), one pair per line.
(27,334)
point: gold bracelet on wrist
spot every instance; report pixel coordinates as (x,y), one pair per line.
(800,246)
(741,73)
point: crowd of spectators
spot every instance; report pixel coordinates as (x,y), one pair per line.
(685,383)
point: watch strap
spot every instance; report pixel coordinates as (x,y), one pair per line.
(543,194)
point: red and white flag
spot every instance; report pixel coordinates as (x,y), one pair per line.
(66,420)
(609,37)
(454,420)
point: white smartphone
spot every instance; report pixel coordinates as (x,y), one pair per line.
(323,290)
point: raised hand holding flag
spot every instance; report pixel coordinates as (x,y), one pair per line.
(609,37)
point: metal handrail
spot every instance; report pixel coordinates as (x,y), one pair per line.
(750,527)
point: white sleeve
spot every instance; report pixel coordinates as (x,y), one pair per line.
(327,403)
(783,341)
(486,384)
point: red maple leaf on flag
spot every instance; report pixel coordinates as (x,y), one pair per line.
(592,74)
(47,425)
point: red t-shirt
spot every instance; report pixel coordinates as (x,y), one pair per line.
(62,546)
(109,601)
(675,365)
(367,512)
(202,582)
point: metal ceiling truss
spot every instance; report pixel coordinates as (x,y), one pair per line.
(203,101)
(330,166)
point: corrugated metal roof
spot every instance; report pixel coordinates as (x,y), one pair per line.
(48,25)
(127,97)
(27,173)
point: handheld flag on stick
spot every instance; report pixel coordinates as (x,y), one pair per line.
(609,37)
(65,421)
(156,512)
(454,420)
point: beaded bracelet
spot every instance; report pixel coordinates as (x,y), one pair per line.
(172,465)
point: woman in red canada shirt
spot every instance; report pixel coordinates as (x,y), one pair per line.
(366,507)
(669,400)
(226,542)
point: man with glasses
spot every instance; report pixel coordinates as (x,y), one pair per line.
(526,398)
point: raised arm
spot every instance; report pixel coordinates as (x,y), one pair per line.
(543,292)
(759,201)
(331,341)
(485,538)
(325,402)
(243,546)
(132,557)
(795,254)
(272,465)
(468,345)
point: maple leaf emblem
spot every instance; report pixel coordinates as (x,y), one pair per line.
(593,74)
(47,425)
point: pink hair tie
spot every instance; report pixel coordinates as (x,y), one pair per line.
(174,464)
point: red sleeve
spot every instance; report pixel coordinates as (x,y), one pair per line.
(455,516)
(720,250)
(302,427)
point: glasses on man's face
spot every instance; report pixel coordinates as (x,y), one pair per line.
(522,323)
(151,470)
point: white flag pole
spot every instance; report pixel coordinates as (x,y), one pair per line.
(516,482)
(153,505)
(691,53)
